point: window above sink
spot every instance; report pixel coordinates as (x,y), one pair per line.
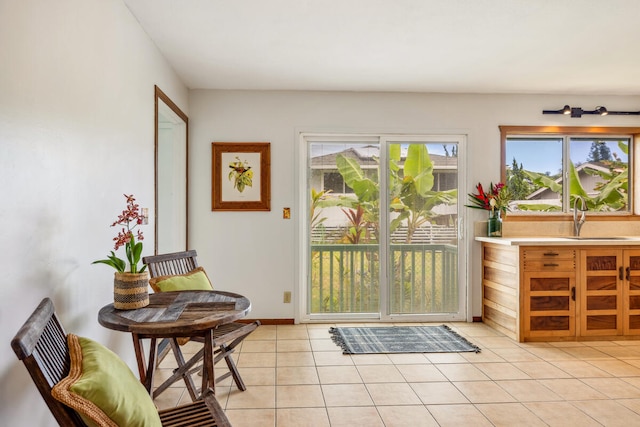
(546,168)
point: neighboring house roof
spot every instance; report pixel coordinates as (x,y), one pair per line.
(367,155)
(588,181)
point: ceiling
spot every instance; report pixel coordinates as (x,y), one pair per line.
(454,46)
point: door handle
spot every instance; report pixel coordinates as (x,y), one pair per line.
(573,293)
(620,273)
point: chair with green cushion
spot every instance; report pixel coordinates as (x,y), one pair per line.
(180,271)
(85,384)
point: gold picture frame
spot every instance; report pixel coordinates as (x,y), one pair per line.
(241,176)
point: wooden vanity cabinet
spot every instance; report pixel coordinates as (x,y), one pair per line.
(537,293)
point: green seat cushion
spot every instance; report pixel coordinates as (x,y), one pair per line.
(102,388)
(195,280)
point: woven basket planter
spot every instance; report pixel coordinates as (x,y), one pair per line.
(130,290)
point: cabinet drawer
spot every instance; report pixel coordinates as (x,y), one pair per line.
(550,265)
(548,253)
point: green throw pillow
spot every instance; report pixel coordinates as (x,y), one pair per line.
(195,280)
(102,388)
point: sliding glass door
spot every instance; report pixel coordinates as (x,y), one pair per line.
(380,237)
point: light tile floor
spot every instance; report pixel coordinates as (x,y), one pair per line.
(297,377)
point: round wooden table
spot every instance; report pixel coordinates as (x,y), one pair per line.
(173,315)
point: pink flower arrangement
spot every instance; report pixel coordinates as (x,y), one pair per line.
(130,219)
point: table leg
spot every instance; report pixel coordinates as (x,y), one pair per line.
(151,367)
(137,347)
(208,377)
(146,372)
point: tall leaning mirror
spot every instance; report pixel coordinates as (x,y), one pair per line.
(171,162)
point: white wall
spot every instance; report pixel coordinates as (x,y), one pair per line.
(253,253)
(76,132)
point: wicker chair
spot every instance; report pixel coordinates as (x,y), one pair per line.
(226,337)
(42,346)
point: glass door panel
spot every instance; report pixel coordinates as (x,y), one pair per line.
(344,227)
(422,230)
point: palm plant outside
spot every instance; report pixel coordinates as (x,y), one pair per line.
(410,188)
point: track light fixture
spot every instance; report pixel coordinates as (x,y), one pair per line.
(600,110)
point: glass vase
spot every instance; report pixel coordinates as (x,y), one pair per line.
(494,224)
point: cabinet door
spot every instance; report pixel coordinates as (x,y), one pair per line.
(631,274)
(549,304)
(601,293)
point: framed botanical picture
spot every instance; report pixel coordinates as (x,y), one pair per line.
(241,176)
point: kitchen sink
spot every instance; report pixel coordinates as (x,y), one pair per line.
(597,238)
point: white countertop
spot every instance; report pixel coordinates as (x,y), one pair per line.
(562,241)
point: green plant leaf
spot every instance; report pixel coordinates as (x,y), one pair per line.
(613,194)
(113,261)
(365,189)
(397,222)
(349,169)
(543,181)
(624,147)
(419,166)
(137,252)
(575,186)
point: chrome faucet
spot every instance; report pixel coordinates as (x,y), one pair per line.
(577,222)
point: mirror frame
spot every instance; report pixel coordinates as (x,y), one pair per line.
(160,95)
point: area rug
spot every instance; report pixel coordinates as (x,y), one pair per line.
(400,339)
